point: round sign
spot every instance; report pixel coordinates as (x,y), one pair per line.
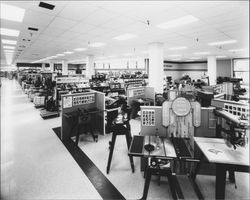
(181,106)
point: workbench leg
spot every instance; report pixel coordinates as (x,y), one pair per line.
(171,184)
(146,184)
(130,157)
(220,181)
(112,145)
(77,135)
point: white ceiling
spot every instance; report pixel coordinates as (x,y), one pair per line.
(74,24)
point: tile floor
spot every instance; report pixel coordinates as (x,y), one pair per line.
(36,165)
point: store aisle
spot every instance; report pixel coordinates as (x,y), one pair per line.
(34,162)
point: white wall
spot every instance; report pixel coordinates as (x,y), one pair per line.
(194,70)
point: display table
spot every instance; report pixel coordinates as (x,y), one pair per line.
(162,148)
(226,158)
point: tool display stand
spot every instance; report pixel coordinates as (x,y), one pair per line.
(140,96)
(84,124)
(156,167)
(121,126)
(93,103)
(39,101)
(45,114)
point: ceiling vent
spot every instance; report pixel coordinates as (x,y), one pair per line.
(46,5)
(32,29)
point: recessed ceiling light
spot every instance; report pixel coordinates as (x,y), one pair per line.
(236,50)
(176,59)
(195,58)
(100,57)
(178,48)
(220,56)
(126,36)
(112,56)
(9,47)
(9,51)
(60,54)
(9,32)
(9,41)
(12,13)
(222,42)
(80,49)
(202,53)
(127,54)
(68,52)
(174,55)
(178,22)
(97,44)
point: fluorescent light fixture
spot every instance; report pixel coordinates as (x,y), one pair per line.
(178,48)
(220,56)
(189,60)
(60,54)
(9,51)
(112,56)
(195,58)
(97,44)
(9,41)
(9,57)
(12,13)
(9,32)
(80,49)
(174,55)
(100,57)
(222,42)
(175,59)
(178,22)
(202,53)
(126,36)
(9,47)
(127,54)
(68,52)
(236,50)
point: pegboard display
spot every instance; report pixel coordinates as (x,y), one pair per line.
(139,92)
(237,109)
(148,117)
(83,99)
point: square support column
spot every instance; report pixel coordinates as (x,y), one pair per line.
(156,72)
(212,70)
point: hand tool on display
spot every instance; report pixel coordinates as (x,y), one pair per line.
(196,113)
(166,113)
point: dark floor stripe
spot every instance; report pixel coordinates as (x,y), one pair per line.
(105,188)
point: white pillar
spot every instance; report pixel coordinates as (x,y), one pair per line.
(211,70)
(156,72)
(64,68)
(90,70)
(51,66)
(43,67)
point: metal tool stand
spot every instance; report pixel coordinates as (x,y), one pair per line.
(120,129)
(156,169)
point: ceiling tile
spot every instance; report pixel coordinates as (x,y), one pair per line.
(80,10)
(62,23)
(37,18)
(99,17)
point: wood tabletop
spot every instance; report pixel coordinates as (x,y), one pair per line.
(217,151)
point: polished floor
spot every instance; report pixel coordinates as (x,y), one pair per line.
(36,165)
